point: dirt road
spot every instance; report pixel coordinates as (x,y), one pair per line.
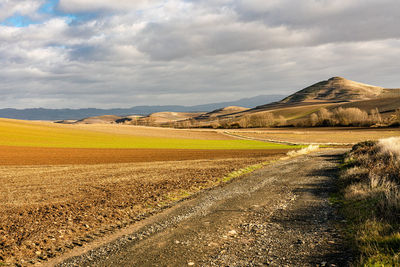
(278,216)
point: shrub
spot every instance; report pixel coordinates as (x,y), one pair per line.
(375,117)
(395,120)
(351,117)
(343,117)
(371,189)
(265,119)
(325,117)
(314,120)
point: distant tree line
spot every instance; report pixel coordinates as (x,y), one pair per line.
(354,117)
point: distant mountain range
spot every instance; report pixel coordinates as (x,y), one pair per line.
(74,114)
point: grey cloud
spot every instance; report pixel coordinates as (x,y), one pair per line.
(105,5)
(334,21)
(233,26)
(185,51)
(173,40)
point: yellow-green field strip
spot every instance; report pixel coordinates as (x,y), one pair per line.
(20,133)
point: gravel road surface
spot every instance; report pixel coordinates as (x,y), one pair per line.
(277,216)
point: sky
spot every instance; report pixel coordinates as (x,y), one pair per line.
(123,53)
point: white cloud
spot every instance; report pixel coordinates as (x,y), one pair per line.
(104,5)
(22,7)
(177,52)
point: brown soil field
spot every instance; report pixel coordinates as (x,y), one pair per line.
(319,135)
(47,210)
(61,156)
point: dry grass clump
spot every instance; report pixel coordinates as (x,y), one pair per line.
(371,190)
(390,146)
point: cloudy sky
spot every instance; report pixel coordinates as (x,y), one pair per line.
(121,53)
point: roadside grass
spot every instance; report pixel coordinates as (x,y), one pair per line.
(369,198)
(16,133)
(243,171)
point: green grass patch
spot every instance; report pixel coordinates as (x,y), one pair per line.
(15,133)
(378,242)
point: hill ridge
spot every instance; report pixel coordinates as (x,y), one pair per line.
(335,89)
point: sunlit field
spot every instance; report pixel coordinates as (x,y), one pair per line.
(33,134)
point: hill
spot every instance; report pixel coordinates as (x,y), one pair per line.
(332,93)
(168,117)
(99,119)
(221,112)
(329,94)
(335,89)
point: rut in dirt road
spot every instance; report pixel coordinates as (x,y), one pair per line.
(278,216)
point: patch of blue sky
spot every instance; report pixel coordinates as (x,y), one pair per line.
(18,21)
(49,7)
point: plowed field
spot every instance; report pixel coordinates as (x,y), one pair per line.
(59,156)
(46,210)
